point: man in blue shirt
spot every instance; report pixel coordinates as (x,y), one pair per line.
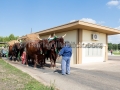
(66,53)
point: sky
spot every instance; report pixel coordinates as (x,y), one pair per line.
(18,17)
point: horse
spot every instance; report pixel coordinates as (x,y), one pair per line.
(54,47)
(14,50)
(35,51)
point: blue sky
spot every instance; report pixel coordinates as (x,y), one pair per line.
(19,16)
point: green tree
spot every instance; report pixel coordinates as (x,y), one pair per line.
(110,46)
(115,46)
(1,39)
(7,39)
(119,46)
(11,37)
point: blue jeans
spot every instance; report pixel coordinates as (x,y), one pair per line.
(65,65)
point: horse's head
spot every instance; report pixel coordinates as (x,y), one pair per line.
(60,42)
(16,46)
(43,45)
(22,45)
(50,44)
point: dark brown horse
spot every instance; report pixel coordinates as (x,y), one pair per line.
(54,48)
(14,50)
(35,50)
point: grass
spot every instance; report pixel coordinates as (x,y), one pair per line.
(116,52)
(12,78)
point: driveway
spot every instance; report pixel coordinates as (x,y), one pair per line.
(92,76)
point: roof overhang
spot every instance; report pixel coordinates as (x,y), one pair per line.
(80,25)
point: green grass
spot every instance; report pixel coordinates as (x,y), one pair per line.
(116,52)
(12,78)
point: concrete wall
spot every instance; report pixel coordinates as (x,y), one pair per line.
(70,36)
(86,38)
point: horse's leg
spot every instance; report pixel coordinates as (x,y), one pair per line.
(16,57)
(54,60)
(51,62)
(54,63)
(35,61)
(44,60)
(11,57)
(41,61)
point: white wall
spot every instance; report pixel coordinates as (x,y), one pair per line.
(86,38)
(71,36)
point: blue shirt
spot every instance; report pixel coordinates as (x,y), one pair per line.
(66,51)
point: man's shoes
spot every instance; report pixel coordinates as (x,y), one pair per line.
(68,73)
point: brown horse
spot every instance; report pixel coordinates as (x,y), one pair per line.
(54,48)
(10,53)
(14,50)
(35,50)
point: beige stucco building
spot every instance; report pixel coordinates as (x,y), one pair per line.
(80,32)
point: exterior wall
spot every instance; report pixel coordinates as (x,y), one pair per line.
(86,38)
(79,50)
(71,36)
(106,49)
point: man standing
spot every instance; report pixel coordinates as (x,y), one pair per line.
(111,51)
(66,53)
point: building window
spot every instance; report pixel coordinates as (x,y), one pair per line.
(91,51)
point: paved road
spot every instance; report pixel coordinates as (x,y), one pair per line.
(92,76)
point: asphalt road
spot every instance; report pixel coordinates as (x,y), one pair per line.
(92,76)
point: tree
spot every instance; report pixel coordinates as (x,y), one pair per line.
(119,46)
(115,47)
(7,39)
(110,46)
(11,37)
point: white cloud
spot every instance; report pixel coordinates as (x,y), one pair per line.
(114,39)
(118,27)
(115,3)
(88,20)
